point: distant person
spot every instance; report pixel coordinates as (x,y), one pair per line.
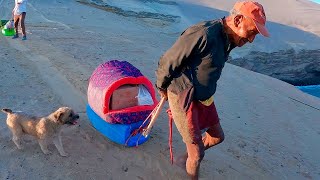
(19,14)
(188,72)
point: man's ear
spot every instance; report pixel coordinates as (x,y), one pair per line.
(237,20)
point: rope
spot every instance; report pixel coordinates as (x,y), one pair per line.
(140,129)
(135,132)
(170,135)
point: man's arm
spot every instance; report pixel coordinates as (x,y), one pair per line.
(174,59)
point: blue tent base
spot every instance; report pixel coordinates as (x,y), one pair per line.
(118,133)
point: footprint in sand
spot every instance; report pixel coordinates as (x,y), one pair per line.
(242,144)
(235,153)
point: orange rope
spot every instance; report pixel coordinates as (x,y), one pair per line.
(170,134)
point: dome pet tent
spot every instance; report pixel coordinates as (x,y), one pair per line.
(4,24)
(8,32)
(117,123)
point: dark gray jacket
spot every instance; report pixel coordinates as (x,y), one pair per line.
(195,60)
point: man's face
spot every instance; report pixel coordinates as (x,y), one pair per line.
(245,30)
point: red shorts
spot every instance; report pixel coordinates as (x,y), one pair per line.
(197,118)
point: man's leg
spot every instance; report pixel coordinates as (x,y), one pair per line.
(195,156)
(191,135)
(16,25)
(23,27)
(214,135)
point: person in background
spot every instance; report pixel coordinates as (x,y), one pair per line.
(188,72)
(19,14)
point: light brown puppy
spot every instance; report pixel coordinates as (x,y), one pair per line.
(45,129)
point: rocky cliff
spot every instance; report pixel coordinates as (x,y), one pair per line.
(297,68)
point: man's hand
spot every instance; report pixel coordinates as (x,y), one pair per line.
(163,93)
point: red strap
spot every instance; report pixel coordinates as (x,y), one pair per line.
(170,134)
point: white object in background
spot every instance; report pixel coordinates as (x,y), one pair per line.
(144,97)
(9,25)
(20,8)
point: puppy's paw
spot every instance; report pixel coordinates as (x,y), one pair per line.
(20,147)
(64,154)
(47,152)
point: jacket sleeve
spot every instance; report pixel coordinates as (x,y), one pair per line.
(174,59)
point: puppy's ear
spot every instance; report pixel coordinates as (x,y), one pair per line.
(58,116)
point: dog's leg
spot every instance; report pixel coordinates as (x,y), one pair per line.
(17,141)
(58,143)
(16,136)
(44,146)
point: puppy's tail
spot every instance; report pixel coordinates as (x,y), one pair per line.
(8,111)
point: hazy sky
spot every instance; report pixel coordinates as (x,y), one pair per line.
(317,1)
